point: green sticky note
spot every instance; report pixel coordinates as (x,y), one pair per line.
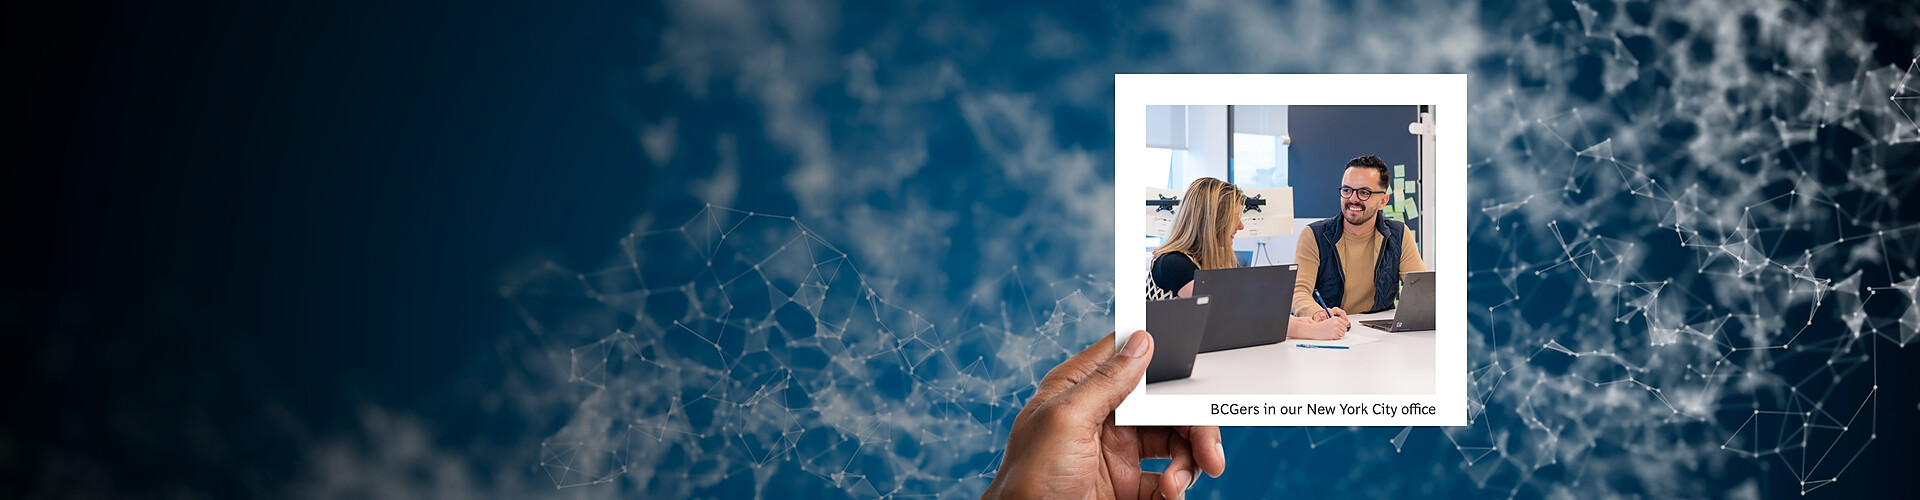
(1412,210)
(1399,170)
(1410,188)
(1399,186)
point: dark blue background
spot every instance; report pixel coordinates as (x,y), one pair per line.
(234,228)
(252,220)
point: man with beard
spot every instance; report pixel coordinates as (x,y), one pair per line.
(1354,260)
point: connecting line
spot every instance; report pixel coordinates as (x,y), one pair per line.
(1655,391)
(564,461)
(1470,459)
(1566,252)
(1871,395)
(1897,98)
(1876,234)
(1495,212)
(1642,190)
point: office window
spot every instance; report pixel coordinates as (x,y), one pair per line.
(1259,146)
(1259,161)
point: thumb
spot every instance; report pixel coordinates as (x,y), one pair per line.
(1103,390)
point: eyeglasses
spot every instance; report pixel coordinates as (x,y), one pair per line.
(1358,194)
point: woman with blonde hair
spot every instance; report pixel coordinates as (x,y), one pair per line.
(1202,238)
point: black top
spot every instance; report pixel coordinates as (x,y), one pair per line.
(1173,270)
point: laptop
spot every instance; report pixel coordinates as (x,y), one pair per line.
(1249,305)
(1416,306)
(1176,326)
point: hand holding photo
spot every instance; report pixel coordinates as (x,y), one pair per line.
(1067,429)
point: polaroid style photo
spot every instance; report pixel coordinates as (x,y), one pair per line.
(1296,246)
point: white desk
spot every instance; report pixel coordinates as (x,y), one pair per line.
(1400,363)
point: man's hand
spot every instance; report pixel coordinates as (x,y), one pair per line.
(1064,443)
(1322,315)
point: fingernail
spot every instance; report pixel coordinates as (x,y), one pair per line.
(1219,451)
(1184,477)
(1136,345)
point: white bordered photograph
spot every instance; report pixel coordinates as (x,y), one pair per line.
(1295,246)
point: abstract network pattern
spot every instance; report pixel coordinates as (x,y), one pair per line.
(1691,249)
(1697,258)
(752,356)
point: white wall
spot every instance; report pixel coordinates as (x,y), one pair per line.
(1167,127)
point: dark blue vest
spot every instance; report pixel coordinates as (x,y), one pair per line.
(1332,282)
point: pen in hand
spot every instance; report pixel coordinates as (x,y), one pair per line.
(1323,306)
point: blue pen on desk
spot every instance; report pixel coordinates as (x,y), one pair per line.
(1318,346)
(1323,305)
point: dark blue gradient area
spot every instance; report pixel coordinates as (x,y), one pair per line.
(789,249)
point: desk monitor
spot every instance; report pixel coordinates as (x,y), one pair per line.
(1161,204)
(1249,305)
(1272,216)
(1416,306)
(1176,326)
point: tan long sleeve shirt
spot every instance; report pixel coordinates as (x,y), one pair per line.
(1357,257)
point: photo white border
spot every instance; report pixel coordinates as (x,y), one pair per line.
(1446,92)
